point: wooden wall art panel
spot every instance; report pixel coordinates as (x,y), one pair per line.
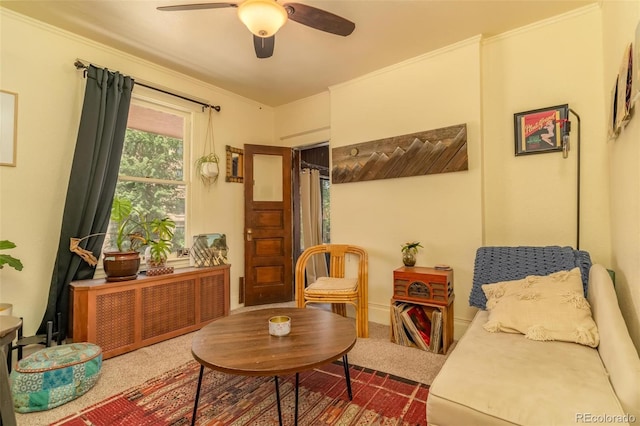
(433,151)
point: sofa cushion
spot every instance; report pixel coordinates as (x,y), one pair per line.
(332,285)
(550,307)
(53,376)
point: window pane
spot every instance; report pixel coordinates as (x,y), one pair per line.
(267,177)
(159,201)
(325,184)
(150,155)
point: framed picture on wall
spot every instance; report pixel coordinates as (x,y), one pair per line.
(623,94)
(612,129)
(539,130)
(8,127)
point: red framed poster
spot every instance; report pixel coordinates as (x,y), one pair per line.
(540,130)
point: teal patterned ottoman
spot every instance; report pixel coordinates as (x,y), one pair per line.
(54,376)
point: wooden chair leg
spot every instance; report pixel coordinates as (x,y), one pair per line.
(339,308)
(362,321)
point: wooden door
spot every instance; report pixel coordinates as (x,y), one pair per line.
(268,225)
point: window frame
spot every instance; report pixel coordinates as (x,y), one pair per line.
(160,104)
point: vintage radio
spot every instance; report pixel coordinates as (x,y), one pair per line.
(424,285)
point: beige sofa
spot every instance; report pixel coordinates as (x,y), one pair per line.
(506,379)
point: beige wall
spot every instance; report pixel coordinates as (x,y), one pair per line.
(442,211)
(304,122)
(531,200)
(619,23)
(37,62)
(501,200)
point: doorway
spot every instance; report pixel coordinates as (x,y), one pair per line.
(273,226)
(312,157)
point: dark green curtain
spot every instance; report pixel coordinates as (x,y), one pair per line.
(92,182)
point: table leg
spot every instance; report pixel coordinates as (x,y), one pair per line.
(297,386)
(347,376)
(278,401)
(195,404)
(7,415)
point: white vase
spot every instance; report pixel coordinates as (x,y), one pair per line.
(209,170)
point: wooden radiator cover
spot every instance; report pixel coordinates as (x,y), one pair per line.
(124,316)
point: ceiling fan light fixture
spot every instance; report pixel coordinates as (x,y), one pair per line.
(262,17)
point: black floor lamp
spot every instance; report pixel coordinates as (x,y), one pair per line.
(565,154)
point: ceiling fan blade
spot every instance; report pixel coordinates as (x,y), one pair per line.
(319,19)
(264,46)
(196,6)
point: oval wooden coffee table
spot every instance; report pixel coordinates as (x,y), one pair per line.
(241,344)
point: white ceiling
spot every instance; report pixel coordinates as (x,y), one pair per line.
(214,46)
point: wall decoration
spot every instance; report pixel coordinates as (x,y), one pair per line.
(636,67)
(209,250)
(235,164)
(623,97)
(612,129)
(8,127)
(433,151)
(539,130)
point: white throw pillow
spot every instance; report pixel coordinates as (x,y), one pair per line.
(550,307)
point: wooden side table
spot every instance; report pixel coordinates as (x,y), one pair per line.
(427,287)
(8,329)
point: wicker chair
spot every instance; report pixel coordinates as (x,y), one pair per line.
(337,289)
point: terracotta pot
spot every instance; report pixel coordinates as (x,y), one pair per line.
(121,266)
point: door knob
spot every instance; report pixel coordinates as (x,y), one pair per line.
(249,236)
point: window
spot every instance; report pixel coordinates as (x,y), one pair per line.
(325,185)
(153,165)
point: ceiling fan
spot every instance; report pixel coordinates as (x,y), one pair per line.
(265,17)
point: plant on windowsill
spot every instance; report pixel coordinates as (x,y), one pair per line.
(133,231)
(409,251)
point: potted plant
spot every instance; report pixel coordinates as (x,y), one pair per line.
(7,259)
(157,234)
(207,167)
(133,231)
(409,251)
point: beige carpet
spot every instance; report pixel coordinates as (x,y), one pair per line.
(125,371)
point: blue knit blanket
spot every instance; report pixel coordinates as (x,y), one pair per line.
(495,264)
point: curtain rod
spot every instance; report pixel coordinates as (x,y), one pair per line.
(79,64)
(314,166)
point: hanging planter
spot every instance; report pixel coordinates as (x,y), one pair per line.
(207,166)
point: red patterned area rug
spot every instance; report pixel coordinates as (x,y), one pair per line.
(378,399)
